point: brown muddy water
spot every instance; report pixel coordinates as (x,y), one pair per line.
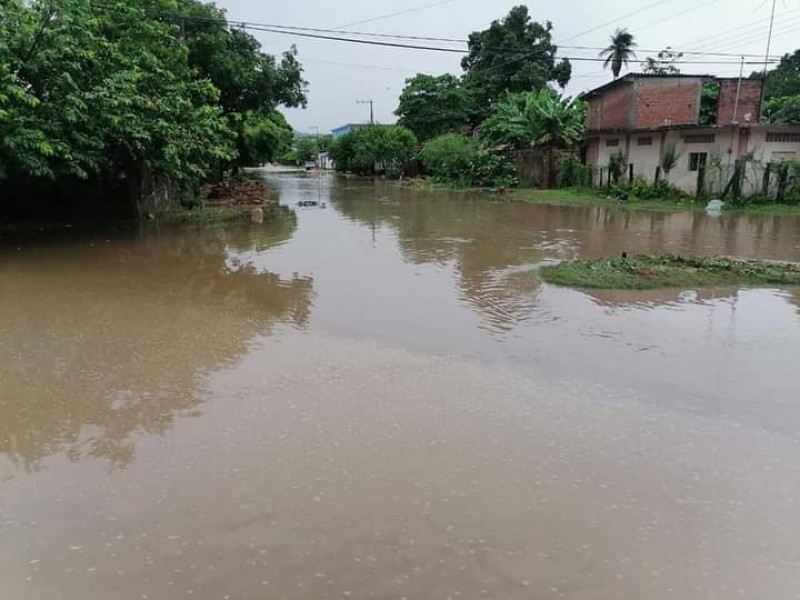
(382,401)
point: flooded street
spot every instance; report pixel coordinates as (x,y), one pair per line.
(381,400)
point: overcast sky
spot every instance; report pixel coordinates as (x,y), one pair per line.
(340,73)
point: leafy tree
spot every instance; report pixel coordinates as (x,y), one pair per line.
(619,52)
(663,64)
(87,90)
(783,80)
(433,105)
(231,58)
(374,149)
(782,90)
(528,119)
(265,137)
(514,54)
(249,80)
(92,91)
(306,148)
(784,109)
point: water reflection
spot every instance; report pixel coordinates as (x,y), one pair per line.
(648,299)
(104,340)
(461,231)
(493,245)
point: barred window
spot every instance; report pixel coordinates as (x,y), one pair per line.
(783,136)
(699,138)
(645,141)
(783,156)
(612,143)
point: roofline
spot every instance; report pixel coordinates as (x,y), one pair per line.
(631,77)
(668,128)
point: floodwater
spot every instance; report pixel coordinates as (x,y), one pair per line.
(381,400)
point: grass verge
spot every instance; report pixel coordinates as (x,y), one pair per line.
(646,272)
(585,196)
(588,197)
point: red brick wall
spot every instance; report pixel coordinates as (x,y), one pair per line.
(749,101)
(659,99)
(611,110)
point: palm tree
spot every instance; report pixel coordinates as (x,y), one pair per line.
(619,52)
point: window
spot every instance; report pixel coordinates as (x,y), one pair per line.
(783,136)
(699,138)
(612,143)
(645,141)
(697,160)
(783,156)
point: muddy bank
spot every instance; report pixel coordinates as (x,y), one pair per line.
(232,200)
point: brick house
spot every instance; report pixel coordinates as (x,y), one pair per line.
(713,123)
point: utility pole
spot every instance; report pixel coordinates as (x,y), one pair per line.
(371,114)
(766,61)
(769,37)
(317,160)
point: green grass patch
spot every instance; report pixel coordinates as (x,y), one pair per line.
(646,272)
(591,197)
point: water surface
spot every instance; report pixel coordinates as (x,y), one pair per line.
(381,400)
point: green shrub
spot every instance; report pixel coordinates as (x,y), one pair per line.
(374,149)
(641,189)
(616,166)
(449,156)
(573,173)
(461,161)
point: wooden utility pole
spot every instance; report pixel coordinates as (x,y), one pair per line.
(371,114)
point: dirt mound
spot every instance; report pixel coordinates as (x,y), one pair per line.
(244,192)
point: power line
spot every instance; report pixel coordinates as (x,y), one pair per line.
(305,34)
(320,36)
(677,50)
(392,36)
(432,48)
(395,36)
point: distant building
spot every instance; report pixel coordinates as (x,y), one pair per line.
(638,115)
(344,129)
